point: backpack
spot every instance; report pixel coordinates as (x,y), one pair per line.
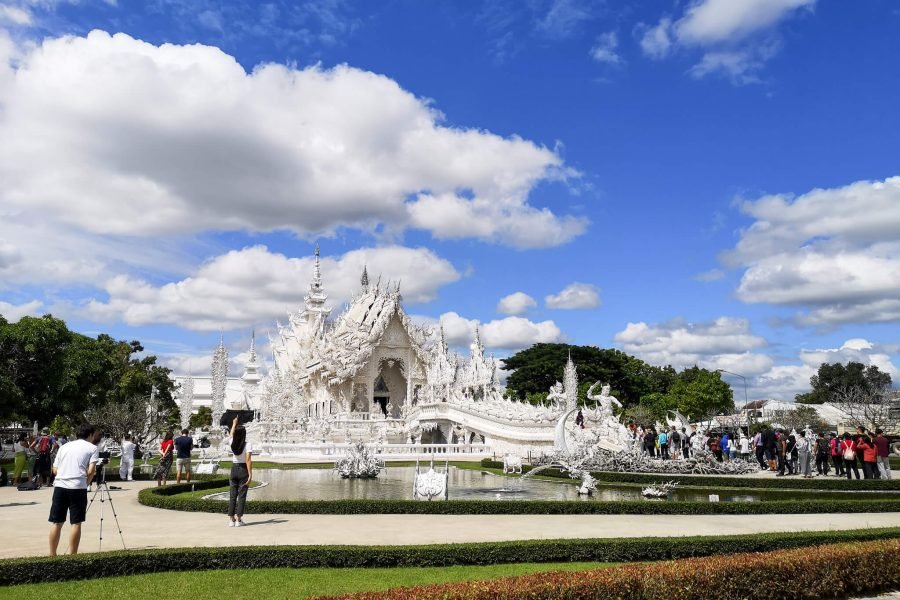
(44,445)
(675,437)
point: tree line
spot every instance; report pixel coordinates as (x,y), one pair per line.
(60,378)
(646,391)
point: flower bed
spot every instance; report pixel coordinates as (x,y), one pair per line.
(132,562)
(831,571)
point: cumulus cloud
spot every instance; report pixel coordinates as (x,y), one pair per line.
(729,31)
(143,140)
(834,253)
(516,304)
(508,334)
(14,312)
(726,343)
(255,286)
(604,49)
(783,382)
(575,295)
(15,15)
(711,275)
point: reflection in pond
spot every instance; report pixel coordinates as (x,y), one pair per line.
(396,483)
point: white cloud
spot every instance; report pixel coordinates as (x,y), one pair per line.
(575,295)
(254,286)
(833,252)
(604,49)
(510,333)
(726,343)
(783,382)
(735,34)
(711,275)
(516,303)
(15,15)
(656,41)
(564,17)
(14,312)
(710,21)
(143,140)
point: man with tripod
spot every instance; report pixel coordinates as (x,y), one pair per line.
(74,468)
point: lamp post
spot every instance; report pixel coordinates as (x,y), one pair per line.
(746,402)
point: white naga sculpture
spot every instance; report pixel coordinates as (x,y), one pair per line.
(512,464)
(431,484)
(659,490)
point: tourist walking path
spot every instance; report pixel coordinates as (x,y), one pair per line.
(23,520)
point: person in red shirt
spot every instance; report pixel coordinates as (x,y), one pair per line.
(848,453)
(870,469)
(165,460)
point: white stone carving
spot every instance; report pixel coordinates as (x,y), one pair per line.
(431,484)
(512,464)
(359,463)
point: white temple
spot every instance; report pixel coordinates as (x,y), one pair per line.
(372,375)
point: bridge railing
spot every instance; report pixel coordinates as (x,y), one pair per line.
(333,451)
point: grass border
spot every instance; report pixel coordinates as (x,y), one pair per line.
(109,564)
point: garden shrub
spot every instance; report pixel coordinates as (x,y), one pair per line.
(168,497)
(132,562)
(830,571)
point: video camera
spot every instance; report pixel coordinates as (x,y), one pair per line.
(103,458)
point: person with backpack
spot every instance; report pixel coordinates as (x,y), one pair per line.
(834,445)
(43,445)
(663,441)
(674,443)
(823,453)
(848,453)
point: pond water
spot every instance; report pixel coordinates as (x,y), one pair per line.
(469,484)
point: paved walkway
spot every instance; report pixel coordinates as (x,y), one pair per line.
(23,519)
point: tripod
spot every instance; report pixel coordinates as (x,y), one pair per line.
(103,491)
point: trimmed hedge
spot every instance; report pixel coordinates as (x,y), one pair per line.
(167,497)
(835,571)
(722,481)
(133,562)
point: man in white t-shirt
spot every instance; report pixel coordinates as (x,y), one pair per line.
(127,465)
(74,468)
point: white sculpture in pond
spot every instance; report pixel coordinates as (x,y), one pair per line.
(512,464)
(359,463)
(431,484)
(659,490)
(588,484)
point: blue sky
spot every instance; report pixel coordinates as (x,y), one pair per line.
(708,182)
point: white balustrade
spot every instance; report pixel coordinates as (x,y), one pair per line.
(332,451)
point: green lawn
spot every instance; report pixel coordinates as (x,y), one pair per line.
(275,583)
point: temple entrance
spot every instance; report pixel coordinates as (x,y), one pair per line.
(389,391)
(382,402)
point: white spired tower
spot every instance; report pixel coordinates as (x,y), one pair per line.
(219,381)
(251,377)
(570,384)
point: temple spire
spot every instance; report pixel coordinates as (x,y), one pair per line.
(317,272)
(364,280)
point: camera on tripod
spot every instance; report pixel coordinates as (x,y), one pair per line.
(103,458)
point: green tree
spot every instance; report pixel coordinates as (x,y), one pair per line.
(202,419)
(831,378)
(699,393)
(540,366)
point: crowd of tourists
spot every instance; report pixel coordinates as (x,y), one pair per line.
(776,450)
(795,454)
(33,457)
(674,443)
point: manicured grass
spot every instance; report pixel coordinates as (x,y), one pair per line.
(276,583)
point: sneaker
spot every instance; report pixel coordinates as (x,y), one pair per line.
(240,524)
(232,523)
